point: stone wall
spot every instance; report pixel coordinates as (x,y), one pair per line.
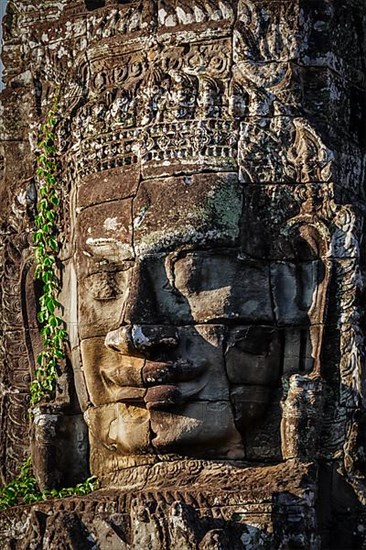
(212,171)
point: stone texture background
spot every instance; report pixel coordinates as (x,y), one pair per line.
(260,104)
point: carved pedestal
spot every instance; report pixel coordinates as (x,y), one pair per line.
(187,504)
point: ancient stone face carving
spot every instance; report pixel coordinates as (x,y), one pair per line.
(193,292)
(202,230)
(212,175)
(184,335)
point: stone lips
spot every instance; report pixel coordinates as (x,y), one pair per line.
(157,384)
(293,99)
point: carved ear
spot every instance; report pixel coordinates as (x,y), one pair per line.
(316,237)
(305,243)
(309,244)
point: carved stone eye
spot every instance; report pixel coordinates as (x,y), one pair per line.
(105,285)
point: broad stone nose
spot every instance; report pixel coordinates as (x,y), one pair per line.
(141,339)
(140,307)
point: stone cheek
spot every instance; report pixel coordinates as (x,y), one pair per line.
(254,356)
(109,376)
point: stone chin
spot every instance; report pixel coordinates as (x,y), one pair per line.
(199,429)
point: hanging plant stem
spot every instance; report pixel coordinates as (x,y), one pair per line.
(46,246)
(23,489)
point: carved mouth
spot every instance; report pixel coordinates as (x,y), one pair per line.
(166,396)
(155,373)
(157,384)
(161,397)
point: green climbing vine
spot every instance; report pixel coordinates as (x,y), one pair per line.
(24,489)
(46,246)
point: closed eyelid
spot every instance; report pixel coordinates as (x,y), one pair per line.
(107,285)
(202,271)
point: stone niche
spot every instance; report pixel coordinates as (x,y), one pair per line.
(211,168)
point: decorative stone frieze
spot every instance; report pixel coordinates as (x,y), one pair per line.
(211,171)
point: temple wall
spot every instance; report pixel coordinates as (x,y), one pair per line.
(224,138)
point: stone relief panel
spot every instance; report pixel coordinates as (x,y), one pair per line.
(160,294)
(149,241)
(212,231)
(16,371)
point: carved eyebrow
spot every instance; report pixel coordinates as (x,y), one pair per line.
(108,249)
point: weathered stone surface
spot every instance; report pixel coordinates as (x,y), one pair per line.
(217,506)
(187,210)
(297,355)
(263,439)
(254,356)
(117,183)
(299,430)
(105,232)
(107,381)
(294,290)
(53,432)
(284,149)
(122,428)
(224,287)
(250,404)
(201,428)
(211,168)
